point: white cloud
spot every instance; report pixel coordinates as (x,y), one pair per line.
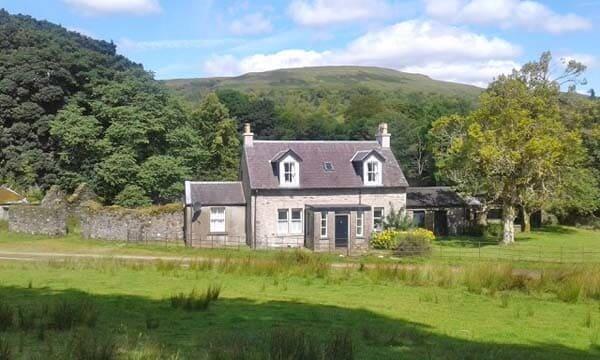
(527,14)
(103,7)
(327,12)
(442,51)
(128,45)
(251,24)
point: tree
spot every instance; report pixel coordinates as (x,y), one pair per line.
(162,177)
(514,147)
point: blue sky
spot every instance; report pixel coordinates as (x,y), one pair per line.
(468,41)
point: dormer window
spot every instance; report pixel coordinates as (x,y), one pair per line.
(370,164)
(372,172)
(289,172)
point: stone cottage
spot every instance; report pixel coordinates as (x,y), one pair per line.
(323,195)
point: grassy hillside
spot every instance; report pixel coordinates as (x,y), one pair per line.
(328,77)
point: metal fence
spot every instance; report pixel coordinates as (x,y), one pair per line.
(441,249)
(492,251)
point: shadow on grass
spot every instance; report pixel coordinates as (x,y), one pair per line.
(555,230)
(233,323)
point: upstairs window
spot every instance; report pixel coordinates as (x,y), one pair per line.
(372,171)
(288,172)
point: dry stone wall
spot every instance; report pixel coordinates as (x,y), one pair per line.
(109,223)
(38,220)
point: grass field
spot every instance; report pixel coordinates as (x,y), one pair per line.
(383,319)
(551,244)
(293,305)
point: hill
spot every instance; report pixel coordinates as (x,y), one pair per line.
(328,77)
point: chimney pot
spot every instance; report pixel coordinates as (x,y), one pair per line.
(383,137)
(248,135)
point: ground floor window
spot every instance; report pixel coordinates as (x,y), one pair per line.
(378,218)
(419,219)
(282,221)
(217,219)
(296,224)
(289,221)
(323,224)
(360,217)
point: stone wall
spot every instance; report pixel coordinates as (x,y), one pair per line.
(37,220)
(161,224)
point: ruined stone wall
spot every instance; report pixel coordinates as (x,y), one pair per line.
(161,224)
(38,220)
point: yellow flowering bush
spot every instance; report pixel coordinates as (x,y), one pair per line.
(410,242)
(385,239)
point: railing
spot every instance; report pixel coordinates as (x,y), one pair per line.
(492,251)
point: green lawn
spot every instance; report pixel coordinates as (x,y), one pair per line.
(432,310)
(385,320)
(551,244)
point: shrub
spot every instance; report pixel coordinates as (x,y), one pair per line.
(194,300)
(6,316)
(385,239)
(412,242)
(132,196)
(397,220)
(493,230)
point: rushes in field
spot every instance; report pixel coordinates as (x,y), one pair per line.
(5,349)
(88,346)
(6,316)
(67,314)
(194,300)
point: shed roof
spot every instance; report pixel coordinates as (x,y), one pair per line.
(206,193)
(433,197)
(9,196)
(345,174)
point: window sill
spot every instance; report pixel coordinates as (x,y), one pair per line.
(218,233)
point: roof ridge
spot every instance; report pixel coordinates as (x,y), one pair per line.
(315,141)
(215,182)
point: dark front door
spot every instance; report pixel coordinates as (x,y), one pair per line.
(341,230)
(440,223)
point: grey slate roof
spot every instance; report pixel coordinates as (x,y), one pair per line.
(263,175)
(206,193)
(432,197)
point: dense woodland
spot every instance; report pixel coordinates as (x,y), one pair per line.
(72,110)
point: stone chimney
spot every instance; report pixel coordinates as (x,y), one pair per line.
(383,137)
(248,136)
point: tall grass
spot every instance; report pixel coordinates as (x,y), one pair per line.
(67,314)
(7,315)
(194,300)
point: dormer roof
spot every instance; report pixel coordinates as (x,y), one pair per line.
(361,155)
(283,154)
(258,160)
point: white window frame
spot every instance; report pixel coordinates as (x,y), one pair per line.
(218,215)
(360,223)
(376,172)
(382,218)
(323,224)
(294,172)
(299,222)
(281,224)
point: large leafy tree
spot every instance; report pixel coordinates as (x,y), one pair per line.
(513,149)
